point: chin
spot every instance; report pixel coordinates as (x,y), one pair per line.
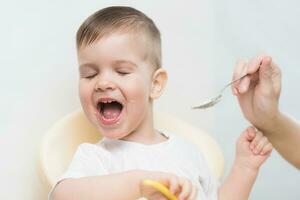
(113,134)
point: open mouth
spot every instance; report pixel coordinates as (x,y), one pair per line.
(110,111)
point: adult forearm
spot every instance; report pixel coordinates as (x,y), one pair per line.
(284,133)
(114,187)
(238,184)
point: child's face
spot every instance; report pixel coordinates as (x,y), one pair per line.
(115,84)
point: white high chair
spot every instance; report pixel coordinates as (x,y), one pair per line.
(61,141)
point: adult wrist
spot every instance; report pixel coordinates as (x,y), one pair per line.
(271,125)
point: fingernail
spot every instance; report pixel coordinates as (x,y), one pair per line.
(241,89)
(235,91)
(268,59)
(244,88)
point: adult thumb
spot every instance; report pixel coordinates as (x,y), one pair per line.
(265,73)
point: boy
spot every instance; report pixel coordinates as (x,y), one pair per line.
(119,54)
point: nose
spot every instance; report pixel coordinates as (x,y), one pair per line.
(105,83)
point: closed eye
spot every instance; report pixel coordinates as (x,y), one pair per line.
(90,76)
(123,73)
(124,69)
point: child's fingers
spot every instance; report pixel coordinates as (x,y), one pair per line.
(267,149)
(259,147)
(247,135)
(186,187)
(174,185)
(151,189)
(251,132)
(255,141)
(193,193)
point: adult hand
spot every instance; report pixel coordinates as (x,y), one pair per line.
(258,93)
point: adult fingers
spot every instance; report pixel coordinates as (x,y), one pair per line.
(239,70)
(255,63)
(244,85)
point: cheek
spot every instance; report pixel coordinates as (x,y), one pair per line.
(85,94)
(138,95)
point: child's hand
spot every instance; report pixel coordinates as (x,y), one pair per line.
(181,187)
(252,149)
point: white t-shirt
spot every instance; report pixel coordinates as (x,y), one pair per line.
(175,155)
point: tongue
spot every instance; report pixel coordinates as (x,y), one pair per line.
(111,111)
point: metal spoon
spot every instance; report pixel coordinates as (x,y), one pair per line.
(217,99)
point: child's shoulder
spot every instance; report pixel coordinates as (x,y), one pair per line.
(179,139)
(92,148)
(186,149)
(183,143)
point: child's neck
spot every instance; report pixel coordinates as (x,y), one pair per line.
(145,133)
(154,138)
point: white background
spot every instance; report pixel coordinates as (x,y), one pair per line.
(201,42)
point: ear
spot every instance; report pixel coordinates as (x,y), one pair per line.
(159,81)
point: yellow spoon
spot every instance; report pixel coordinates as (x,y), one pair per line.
(161,188)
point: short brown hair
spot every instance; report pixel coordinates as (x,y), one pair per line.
(121,18)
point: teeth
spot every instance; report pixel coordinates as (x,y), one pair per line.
(107,101)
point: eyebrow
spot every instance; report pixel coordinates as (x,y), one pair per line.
(90,65)
(124,62)
(116,62)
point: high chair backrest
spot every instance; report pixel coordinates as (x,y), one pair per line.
(62,139)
